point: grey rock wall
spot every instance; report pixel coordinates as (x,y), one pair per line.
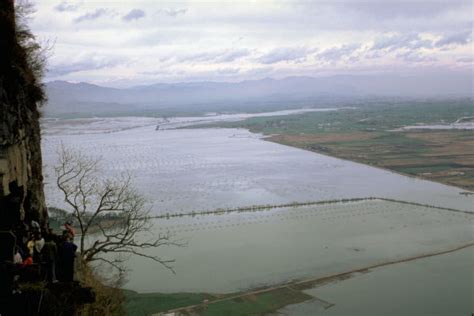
(21,180)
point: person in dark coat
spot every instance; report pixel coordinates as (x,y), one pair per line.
(49,255)
(67,253)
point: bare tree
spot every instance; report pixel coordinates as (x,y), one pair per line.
(110,209)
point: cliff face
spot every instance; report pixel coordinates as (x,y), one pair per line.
(21,180)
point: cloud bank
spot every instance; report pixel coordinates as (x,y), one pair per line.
(138,42)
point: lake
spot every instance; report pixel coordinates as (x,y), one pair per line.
(436,286)
(203,169)
(182,171)
(238,251)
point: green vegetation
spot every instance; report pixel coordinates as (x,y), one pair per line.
(371,117)
(146,304)
(205,304)
(258,304)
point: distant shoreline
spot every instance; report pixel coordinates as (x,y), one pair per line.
(273,139)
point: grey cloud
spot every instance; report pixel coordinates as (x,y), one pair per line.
(258,71)
(395,9)
(87,63)
(387,9)
(336,53)
(216,56)
(285,54)
(172,12)
(455,39)
(134,14)
(66,6)
(413,56)
(232,55)
(228,71)
(155,72)
(394,42)
(90,16)
(388,15)
(465,60)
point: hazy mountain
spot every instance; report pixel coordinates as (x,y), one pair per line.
(83,98)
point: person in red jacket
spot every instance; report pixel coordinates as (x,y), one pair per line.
(27,262)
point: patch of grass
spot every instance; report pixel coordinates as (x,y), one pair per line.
(138,304)
(259,304)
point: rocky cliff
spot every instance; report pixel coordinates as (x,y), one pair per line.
(21,181)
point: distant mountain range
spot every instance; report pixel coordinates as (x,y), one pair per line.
(84,99)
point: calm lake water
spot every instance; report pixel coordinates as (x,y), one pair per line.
(237,251)
(204,169)
(436,286)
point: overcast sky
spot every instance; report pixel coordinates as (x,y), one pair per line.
(124,43)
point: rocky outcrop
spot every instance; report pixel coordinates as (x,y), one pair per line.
(21,181)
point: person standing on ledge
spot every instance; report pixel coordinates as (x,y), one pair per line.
(50,252)
(67,253)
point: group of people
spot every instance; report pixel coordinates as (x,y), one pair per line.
(53,254)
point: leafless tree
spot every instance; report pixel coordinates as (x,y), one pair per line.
(109,211)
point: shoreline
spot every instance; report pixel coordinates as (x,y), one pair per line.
(270,138)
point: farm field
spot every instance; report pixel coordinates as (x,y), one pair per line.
(442,156)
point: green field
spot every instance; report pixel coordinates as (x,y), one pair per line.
(209,305)
(145,304)
(252,304)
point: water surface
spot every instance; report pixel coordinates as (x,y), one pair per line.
(238,251)
(436,286)
(203,169)
(181,171)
